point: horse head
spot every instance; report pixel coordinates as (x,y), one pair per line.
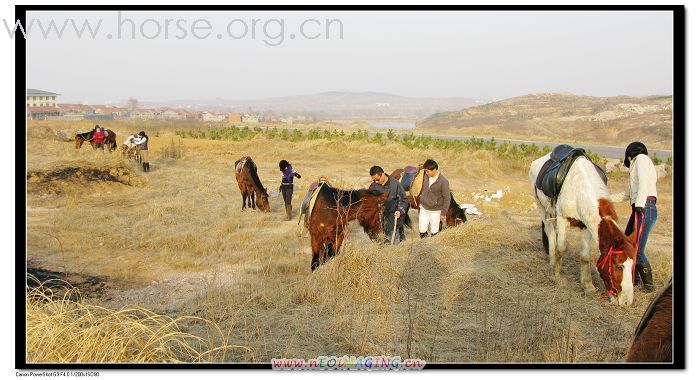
(262,200)
(370,213)
(615,265)
(455,214)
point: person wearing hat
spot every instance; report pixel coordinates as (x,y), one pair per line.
(141,143)
(287,185)
(641,193)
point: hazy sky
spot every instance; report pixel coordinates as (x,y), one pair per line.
(481,55)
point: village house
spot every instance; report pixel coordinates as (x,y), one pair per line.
(41,98)
(247,118)
(173,114)
(234,117)
(144,114)
(41,104)
(210,116)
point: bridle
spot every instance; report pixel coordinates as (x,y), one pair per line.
(607,260)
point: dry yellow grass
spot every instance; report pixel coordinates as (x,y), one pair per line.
(176,242)
(61,328)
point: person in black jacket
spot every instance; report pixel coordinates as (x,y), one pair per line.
(395,206)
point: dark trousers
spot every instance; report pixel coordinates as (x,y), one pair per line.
(389,228)
(287,191)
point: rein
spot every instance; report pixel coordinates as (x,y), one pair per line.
(608,257)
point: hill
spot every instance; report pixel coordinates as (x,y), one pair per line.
(337,104)
(561,116)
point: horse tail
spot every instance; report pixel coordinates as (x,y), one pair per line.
(545,240)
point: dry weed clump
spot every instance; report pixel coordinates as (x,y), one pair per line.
(63,329)
(172,150)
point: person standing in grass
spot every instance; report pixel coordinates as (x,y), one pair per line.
(141,143)
(98,138)
(287,186)
(395,206)
(434,200)
(641,193)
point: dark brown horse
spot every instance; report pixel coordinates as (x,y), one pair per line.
(110,140)
(455,214)
(653,340)
(333,209)
(249,183)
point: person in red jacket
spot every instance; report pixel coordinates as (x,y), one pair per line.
(98,138)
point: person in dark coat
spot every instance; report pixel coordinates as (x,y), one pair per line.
(395,206)
(141,143)
(287,186)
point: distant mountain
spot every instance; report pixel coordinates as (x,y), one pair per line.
(560,116)
(335,104)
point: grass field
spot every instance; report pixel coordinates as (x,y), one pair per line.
(174,244)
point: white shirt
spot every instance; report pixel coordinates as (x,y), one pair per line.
(138,140)
(129,140)
(431,180)
(642,182)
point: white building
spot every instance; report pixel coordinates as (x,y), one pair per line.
(250,118)
(210,116)
(40,98)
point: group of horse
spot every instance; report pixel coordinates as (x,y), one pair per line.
(110,139)
(333,209)
(577,198)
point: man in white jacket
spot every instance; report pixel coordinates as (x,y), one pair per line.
(641,192)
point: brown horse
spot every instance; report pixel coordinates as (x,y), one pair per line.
(455,214)
(653,340)
(333,209)
(249,183)
(110,140)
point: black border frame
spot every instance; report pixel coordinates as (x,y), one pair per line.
(679,149)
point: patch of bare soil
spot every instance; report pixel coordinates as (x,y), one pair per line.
(58,180)
(57,282)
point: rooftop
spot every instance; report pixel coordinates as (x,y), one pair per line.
(33,91)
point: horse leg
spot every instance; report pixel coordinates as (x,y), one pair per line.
(560,247)
(554,257)
(252,200)
(586,279)
(317,247)
(339,236)
(245,198)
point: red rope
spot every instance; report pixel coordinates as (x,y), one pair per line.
(608,257)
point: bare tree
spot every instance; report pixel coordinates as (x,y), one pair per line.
(133,103)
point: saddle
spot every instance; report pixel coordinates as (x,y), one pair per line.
(409,173)
(551,177)
(307,205)
(416,188)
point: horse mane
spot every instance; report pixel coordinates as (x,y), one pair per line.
(254,175)
(85,135)
(606,210)
(343,198)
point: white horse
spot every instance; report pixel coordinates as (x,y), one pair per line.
(584,202)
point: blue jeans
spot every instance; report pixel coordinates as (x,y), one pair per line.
(650,216)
